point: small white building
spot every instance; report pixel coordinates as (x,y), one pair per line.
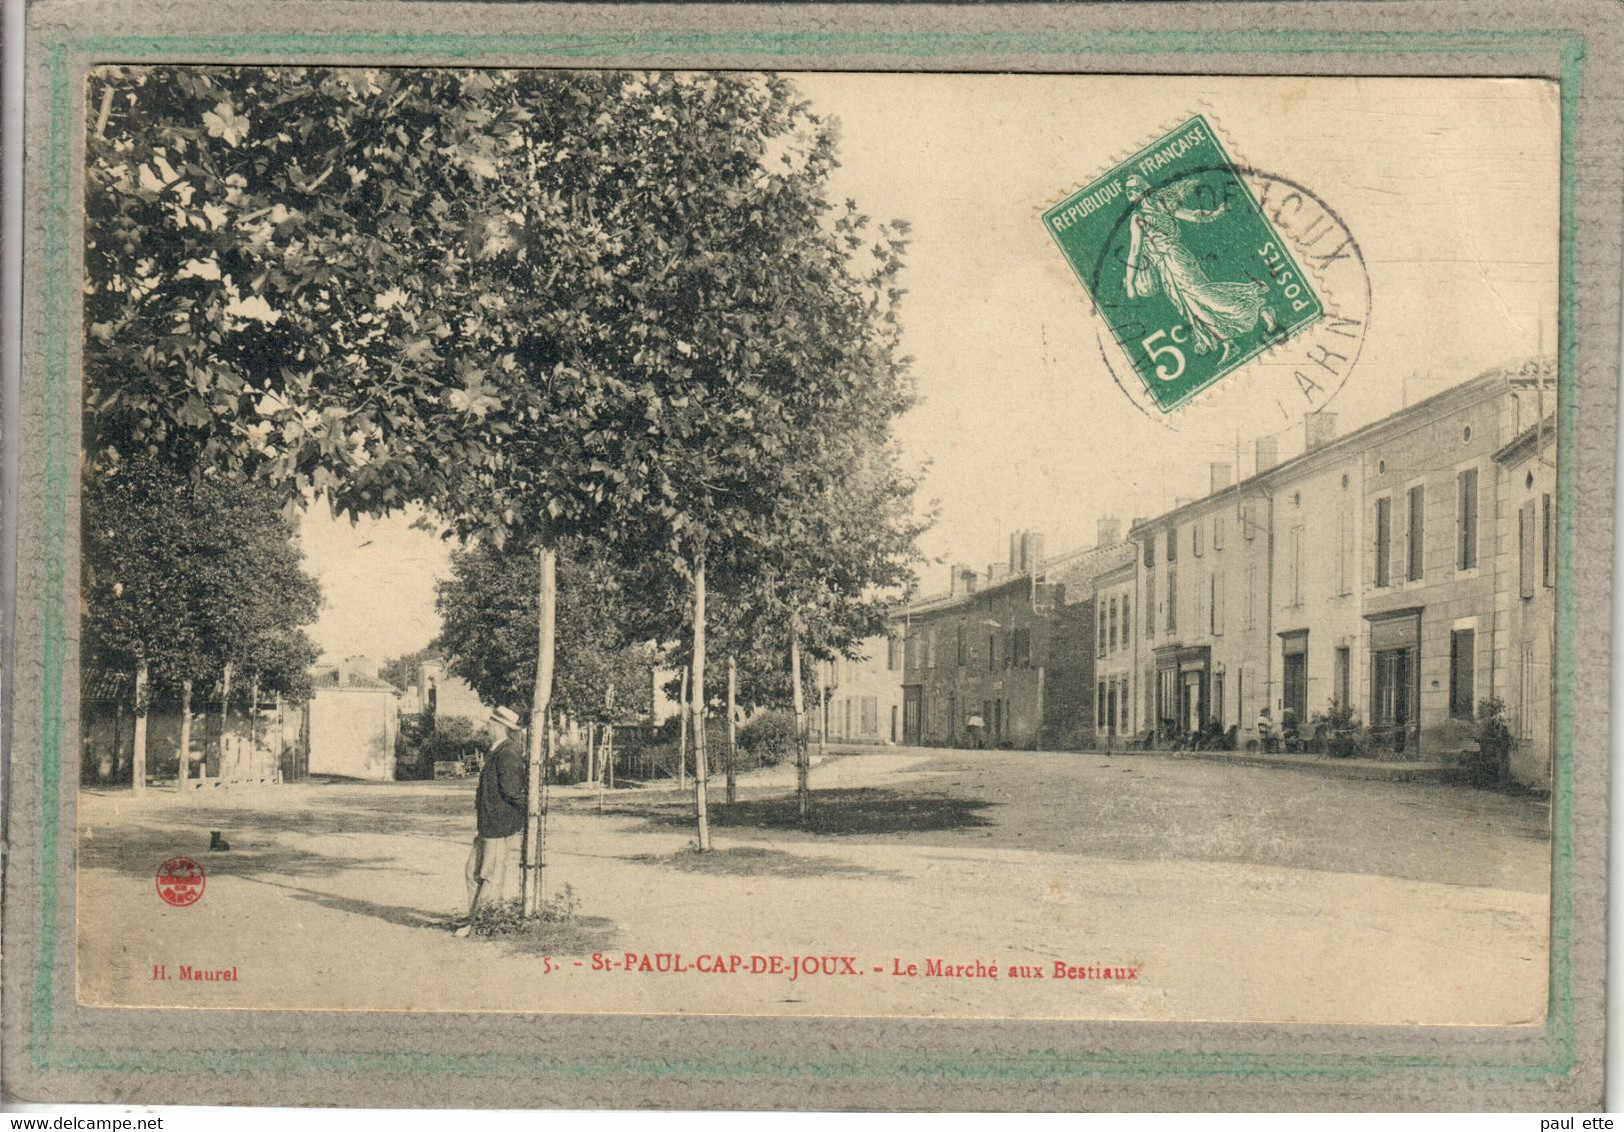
(354,720)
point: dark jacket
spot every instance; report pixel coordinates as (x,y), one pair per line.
(499,800)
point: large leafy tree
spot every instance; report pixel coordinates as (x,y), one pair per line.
(541,304)
(188,578)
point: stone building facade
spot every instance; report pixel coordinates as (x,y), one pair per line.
(864,694)
(1385,571)
(1016,652)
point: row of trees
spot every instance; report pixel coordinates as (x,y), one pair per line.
(602,309)
(192,583)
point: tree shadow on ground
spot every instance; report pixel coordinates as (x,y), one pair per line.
(139,850)
(397,914)
(752,861)
(579,935)
(848,812)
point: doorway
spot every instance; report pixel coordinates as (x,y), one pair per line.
(912,699)
(1394,696)
(1294,677)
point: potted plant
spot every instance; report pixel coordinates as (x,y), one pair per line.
(1493,757)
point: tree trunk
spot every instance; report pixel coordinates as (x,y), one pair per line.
(591,756)
(225,718)
(253,727)
(535,828)
(732,730)
(682,731)
(823,712)
(697,695)
(803,792)
(609,735)
(138,754)
(281,741)
(186,733)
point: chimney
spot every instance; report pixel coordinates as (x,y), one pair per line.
(1222,477)
(1015,538)
(997,572)
(1107,532)
(1268,453)
(1319,429)
(1031,553)
(962,580)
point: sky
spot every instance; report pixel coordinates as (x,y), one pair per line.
(1448,186)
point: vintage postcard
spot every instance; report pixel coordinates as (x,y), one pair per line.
(815,547)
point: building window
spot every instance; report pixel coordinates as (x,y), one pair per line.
(1099,638)
(1196,530)
(1150,550)
(1415,555)
(1341,675)
(992,651)
(1384,540)
(1125,622)
(1248,521)
(930,647)
(1150,605)
(1218,531)
(1172,600)
(1466,521)
(870,714)
(1113,624)
(1099,705)
(1462,662)
(893,653)
(1548,522)
(1022,640)
(1525,550)
(1215,610)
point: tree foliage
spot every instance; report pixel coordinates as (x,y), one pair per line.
(402,671)
(488,610)
(192,574)
(528,300)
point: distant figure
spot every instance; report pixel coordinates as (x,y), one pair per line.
(499,812)
(975,726)
(1290,738)
(1265,729)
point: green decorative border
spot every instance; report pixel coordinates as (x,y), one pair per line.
(58,276)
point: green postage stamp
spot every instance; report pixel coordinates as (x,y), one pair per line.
(1179,259)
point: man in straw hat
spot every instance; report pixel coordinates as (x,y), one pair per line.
(499,813)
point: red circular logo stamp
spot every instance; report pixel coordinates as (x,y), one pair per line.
(180,882)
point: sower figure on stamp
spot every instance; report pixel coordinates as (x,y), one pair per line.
(499,814)
(1215,312)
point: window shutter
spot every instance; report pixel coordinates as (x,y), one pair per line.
(1525,549)
(1548,523)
